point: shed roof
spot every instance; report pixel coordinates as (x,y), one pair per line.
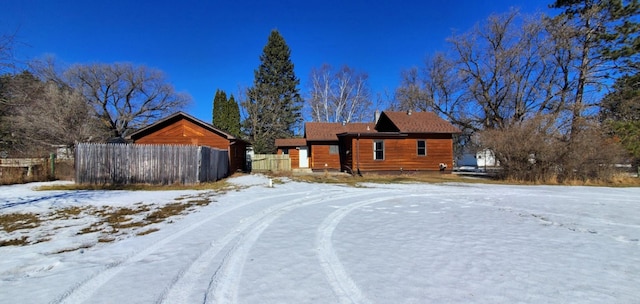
(327,131)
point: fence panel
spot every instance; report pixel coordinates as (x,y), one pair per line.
(270,162)
(149,164)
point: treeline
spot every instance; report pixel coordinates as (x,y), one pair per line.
(533,89)
(44,107)
(554,97)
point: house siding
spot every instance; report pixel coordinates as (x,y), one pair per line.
(400,154)
(294,155)
(321,159)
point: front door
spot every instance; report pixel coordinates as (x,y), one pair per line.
(304,157)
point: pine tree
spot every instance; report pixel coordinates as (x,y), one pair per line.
(620,114)
(604,36)
(273,104)
(219,102)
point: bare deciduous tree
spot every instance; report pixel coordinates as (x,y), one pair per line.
(502,70)
(410,95)
(497,74)
(525,80)
(58,116)
(41,115)
(339,95)
(7,44)
(125,96)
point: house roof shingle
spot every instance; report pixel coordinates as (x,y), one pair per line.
(326,131)
(419,122)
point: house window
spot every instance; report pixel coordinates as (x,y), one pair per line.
(285,150)
(378,150)
(333,149)
(422,147)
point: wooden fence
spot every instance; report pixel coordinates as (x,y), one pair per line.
(149,164)
(270,162)
(28,163)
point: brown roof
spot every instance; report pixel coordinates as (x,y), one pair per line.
(418,122)
(291,142)
(326,131)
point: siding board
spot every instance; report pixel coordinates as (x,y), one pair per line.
(321,159)
(400,154)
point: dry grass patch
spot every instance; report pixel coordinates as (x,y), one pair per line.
(106,239)
(107,222)
(112,220)
(80,247)
(356,181)
(68,213)
(220,186)
(177,208)
(148,231)
(15,242)
(435,178)
(15,221)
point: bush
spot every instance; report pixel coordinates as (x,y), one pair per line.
(536,150)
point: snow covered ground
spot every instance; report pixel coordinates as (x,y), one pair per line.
(317,243)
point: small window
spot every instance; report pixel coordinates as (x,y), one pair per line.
(285,150)
(378,150)
(422,147)
(333,149)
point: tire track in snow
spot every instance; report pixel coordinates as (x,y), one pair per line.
(85,289)
(343,286)
(226,279)
(181,288)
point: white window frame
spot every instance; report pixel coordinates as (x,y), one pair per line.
(418,147)
(375,150)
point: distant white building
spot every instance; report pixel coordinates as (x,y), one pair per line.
(486,158)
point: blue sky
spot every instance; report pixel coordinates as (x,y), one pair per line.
(207,45)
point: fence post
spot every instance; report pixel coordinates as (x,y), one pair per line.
(52,160)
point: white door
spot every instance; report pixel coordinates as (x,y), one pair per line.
(304,157)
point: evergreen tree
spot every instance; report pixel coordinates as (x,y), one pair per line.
(226,113)
(219,102)
(273,103)
(620,113)
(233,116)
(603,35)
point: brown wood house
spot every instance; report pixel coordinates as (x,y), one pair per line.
(397,142)
(183,129)
(324,147)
